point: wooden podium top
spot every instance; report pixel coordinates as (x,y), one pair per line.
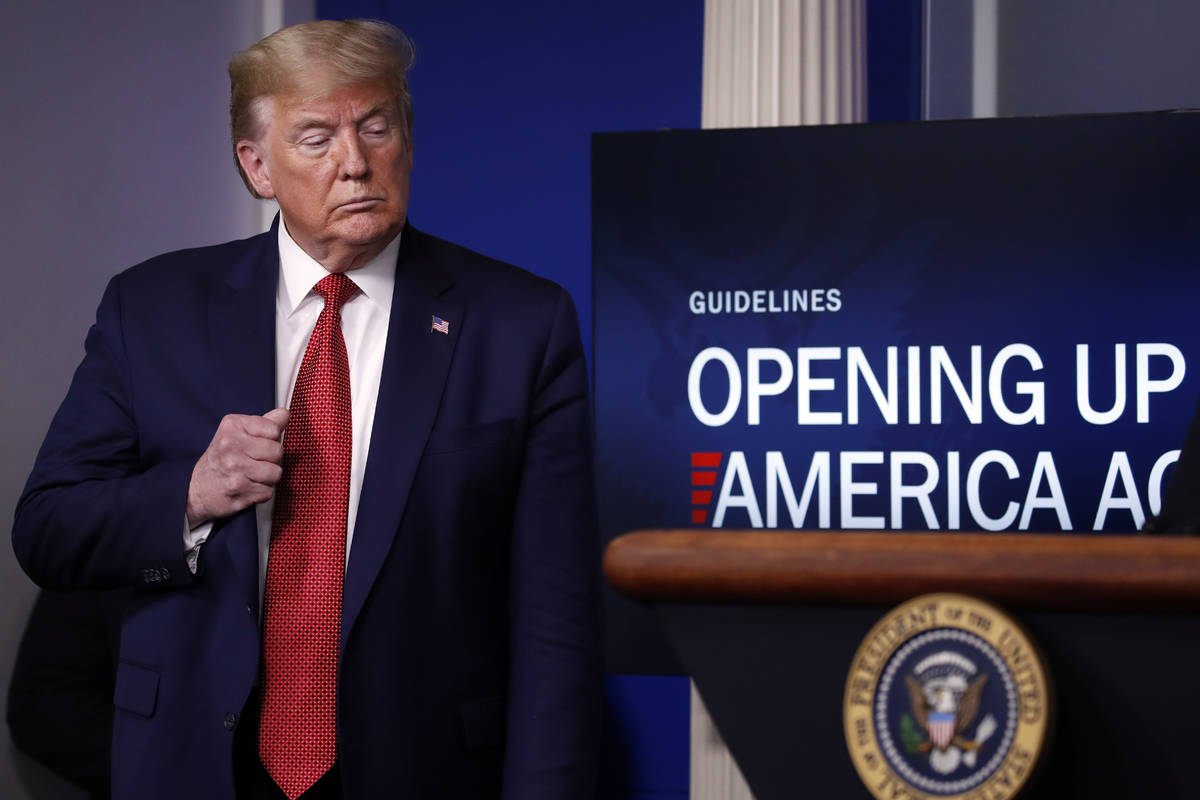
(1057,571)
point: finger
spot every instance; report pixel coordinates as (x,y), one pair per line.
(231,434)
(277,416)
(226,456)
(268,426)
(263,473)
(253,493)
(261,449)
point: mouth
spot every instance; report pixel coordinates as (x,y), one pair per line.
(360,204)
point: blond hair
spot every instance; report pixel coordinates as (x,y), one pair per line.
(347,52)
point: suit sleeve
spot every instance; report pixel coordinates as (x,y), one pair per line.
(556,663)
(95,514)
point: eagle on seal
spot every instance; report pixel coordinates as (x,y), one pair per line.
(945,706)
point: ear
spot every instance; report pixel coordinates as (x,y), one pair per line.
(253,158)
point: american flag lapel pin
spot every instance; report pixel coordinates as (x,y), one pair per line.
(440,326)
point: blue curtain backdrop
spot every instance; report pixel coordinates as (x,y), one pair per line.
(506,97)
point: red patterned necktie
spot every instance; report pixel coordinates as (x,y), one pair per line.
(297,739)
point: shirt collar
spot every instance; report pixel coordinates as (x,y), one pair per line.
(299,272)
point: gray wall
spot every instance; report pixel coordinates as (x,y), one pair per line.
(115,143)
(1090,56)
(1061,56)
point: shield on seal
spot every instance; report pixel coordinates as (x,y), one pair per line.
(941,729)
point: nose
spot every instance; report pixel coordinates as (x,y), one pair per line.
(353,156)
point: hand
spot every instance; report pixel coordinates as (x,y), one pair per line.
(240,467)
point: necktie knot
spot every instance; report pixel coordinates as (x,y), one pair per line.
(336,289)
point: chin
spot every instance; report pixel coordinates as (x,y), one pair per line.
(359,232)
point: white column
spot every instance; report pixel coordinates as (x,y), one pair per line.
(783,62)
(713,775)
(270,20)
(273,15)
(985,64)
(769,63)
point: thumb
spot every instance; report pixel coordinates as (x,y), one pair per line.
(279,416)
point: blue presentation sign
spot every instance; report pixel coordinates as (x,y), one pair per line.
(962,326)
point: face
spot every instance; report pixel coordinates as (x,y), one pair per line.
(339,164)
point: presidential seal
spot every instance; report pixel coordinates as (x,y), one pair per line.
(946,698)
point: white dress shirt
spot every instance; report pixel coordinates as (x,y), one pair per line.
(364,326)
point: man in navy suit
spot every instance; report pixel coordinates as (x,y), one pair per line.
(467,640)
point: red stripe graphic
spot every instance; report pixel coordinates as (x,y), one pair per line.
(703,477)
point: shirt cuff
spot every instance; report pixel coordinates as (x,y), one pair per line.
(193,538)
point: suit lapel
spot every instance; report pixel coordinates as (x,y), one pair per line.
(241,318)
(415,364)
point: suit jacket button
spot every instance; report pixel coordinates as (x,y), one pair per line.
(230,721)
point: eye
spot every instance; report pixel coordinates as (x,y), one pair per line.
(376,127)
(314,142)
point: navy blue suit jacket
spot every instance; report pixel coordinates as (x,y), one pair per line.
(470,652)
